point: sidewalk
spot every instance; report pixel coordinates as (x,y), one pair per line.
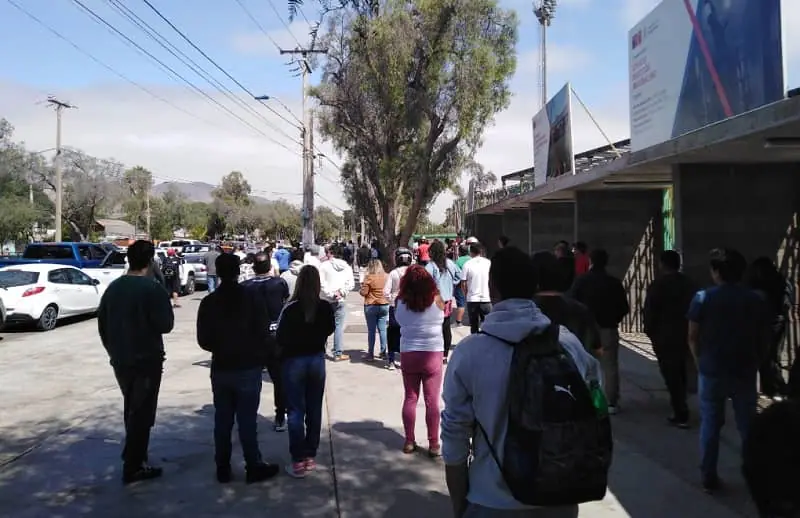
(62,414)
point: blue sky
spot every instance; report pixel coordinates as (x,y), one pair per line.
(588,46)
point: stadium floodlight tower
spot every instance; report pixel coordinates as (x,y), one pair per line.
(545,11)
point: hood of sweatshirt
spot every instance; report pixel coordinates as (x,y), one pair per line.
(295,267)
(339,265)
(514,319)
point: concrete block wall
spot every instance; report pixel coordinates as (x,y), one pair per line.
(515,227)
(550,223)
(629,225)
(754,208)
(487,228)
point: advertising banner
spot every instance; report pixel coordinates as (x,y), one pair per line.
(696,62)
(552,138)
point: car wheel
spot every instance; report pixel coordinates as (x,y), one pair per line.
(48,318)
(189,289)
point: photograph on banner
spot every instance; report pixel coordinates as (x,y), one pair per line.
(697,62)
(552,138)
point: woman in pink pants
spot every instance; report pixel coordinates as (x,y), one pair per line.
(420,312)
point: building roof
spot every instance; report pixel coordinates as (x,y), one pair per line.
(117,227)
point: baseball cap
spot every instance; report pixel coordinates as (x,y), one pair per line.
(471,240)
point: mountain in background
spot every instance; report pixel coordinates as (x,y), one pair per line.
(196,191)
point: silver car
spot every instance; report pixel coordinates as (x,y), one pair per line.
(198,264)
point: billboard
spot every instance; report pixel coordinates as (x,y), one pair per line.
(552,138)
(696,62)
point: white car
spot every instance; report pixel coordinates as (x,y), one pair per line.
(44,293)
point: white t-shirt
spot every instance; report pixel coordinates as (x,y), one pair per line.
(476,274)
(420,331)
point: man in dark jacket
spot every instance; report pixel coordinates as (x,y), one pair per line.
(605,297)
(230,326)
(134,313)
(269,295)
(665,308)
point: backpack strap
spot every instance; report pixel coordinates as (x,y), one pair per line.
(491,448)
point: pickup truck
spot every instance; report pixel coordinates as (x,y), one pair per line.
(79,255)
(115,265)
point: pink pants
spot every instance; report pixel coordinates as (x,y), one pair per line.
(422,367)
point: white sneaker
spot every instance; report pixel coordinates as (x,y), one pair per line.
(391,366)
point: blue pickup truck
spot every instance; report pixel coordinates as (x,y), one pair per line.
(79,255)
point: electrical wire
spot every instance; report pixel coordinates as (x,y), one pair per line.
(153,34)
(100,20)
(326,200)
(286,25)
(108,67)
(202,53)
(258,24)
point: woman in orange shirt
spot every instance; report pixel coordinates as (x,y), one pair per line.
(376,306)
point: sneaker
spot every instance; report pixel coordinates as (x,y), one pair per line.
(260,472)
(141,474)
(310,464)
(341,357)
(435,452)
(296,469)
(224,474)
(391,366)
(369,357)
(613,409)
(679,423)
(382,356)
(280,424)
(409,447)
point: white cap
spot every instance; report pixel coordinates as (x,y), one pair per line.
(471,240)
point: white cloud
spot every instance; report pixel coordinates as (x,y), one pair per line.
(124,123)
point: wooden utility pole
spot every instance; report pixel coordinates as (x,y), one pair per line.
(147,214)
(59,106)
(308,146)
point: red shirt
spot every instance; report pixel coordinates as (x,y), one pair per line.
(582,264)
(423,252)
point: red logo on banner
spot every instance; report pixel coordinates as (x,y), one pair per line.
(636,40)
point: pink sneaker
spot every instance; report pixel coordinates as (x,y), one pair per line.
(296,469)
(310,464)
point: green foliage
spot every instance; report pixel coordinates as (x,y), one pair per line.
(327,224)
(408,89)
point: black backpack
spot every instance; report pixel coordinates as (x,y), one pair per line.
(170,267)
(558,446)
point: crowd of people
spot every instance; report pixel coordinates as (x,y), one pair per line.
(523,311)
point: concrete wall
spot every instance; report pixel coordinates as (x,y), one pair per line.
(550,223)
(488,227)
(754,208)
(515,227)
(628,224)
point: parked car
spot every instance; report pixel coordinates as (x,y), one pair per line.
(187,273)
(2,312)
(42,294)
(197,263)
(178,244)
(79,255)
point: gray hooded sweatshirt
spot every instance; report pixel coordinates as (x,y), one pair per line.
(290,275)
(475,387)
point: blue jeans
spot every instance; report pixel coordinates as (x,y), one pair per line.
(237,395)
(304,386)
(211,283)
(339,312)
(377,318)
(713,392)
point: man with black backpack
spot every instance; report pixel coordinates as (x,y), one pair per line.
(171,270)
(509,391)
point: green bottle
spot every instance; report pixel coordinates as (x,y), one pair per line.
(598,398)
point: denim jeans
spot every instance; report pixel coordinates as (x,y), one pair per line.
(237,395)
(377,317)
(304,386)
(211,283)
(713,392)
(339,312)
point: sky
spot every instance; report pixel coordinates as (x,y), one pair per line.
(130,109)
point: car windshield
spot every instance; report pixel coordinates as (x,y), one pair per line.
(13,278)
(48,252)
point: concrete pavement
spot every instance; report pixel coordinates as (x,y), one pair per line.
(61,425)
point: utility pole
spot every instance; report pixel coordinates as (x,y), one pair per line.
(545,12)
(59,106)
(308,149)
(147,213)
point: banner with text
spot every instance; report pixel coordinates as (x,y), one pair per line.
(552,138)
(696,62)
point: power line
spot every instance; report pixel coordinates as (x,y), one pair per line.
(153,34)
(101,63)
(258,24)
(326,200)
(274,10)
(100,20)
(198,49)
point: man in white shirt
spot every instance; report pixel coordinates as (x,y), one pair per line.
(475,285)
(337,281)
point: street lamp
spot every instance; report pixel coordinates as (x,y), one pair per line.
(264,98)
(545,11)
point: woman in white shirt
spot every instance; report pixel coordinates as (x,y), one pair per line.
(419,312)
(403,259)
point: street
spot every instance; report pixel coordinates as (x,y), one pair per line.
(61,426)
